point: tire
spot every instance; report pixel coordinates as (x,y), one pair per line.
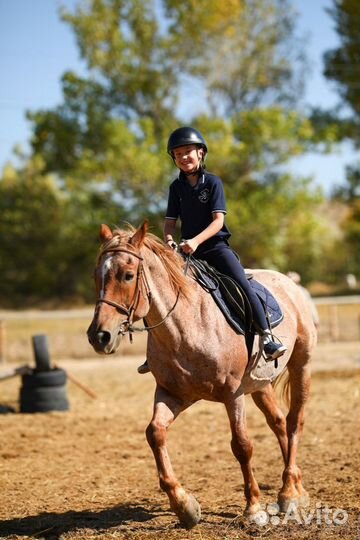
(41,352)
(6,409)
(43,406)
(44,393)
(36,379)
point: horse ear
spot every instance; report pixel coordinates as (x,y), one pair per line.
(138,237)
(105,233)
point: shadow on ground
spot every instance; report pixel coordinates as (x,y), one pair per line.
(51,525)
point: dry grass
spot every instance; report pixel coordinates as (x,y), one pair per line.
(66,330)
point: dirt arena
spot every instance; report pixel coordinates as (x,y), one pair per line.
(88,473)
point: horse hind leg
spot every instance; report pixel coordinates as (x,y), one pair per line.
(166,409)
(265,400)
(292,490)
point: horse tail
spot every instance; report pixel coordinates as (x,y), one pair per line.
(281,386)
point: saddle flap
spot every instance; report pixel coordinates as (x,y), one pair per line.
(232,300)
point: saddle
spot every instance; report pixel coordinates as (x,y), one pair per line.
(232,300)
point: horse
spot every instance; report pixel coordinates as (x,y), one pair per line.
(194,354)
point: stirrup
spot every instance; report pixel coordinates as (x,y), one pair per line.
(273,350)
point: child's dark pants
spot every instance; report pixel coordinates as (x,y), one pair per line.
(219,254)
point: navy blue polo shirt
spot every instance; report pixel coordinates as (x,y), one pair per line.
(195,205)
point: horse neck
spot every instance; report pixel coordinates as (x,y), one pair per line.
(163,295)
(174,308)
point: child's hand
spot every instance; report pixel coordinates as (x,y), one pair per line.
(172,244)
(189,246)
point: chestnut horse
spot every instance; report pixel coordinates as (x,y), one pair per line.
(194,354)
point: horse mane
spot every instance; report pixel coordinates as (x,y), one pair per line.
(172,261)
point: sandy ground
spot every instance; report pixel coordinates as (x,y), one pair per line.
(88,473)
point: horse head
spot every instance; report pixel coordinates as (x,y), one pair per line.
(122,296)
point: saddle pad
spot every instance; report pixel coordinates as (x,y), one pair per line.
(231,299)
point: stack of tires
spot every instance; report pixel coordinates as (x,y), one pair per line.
(44,389)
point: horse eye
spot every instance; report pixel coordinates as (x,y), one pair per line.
(129,276)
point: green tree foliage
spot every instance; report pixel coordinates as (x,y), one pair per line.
(49,239)
(62,135)
(342,63)
(243,51)
(131,79)
(351,190)
(30,219)
(139,63)
(349,194)
(342,66)
(352,236)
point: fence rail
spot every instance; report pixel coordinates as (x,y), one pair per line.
(339,321)
(339,318)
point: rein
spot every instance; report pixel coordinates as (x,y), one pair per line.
(127,325)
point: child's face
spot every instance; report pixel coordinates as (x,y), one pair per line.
(188,158)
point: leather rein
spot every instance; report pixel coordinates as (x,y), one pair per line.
(127,325)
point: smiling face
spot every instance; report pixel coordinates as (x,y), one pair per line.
(188,158)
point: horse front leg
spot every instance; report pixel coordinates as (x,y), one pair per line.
(242,449)
(166,409)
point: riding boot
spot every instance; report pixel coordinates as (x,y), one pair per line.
(272,349)
(144,368)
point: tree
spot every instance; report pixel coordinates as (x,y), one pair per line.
(140,53)
(342,63)
(112,127)
(352,237)
(30,217)
(243,52)
(342,66)
(122,44)
(49,241)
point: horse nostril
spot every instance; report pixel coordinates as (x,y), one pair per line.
(103,338)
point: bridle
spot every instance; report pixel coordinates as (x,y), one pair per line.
(127,325)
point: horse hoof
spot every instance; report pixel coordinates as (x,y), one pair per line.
(288,504)
(292,503)
(252,509)
(259,517)
(190,513)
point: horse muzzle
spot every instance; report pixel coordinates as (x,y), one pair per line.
(104,341)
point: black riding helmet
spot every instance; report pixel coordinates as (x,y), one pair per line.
(183,136)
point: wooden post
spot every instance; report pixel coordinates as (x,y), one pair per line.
(2,342)
(22,370)
(334,323)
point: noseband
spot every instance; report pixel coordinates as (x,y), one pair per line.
(127,325)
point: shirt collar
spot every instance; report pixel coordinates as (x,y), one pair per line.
(182,178)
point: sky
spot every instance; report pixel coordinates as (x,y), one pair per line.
(36,48)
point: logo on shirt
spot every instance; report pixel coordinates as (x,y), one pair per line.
(204,196)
